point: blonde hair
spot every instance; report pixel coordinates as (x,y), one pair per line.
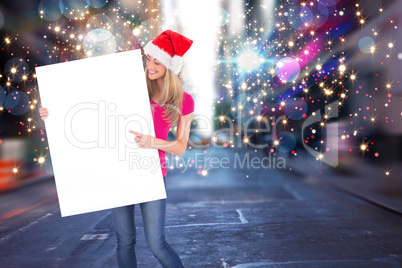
(171,97)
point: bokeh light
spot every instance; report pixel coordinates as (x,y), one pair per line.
(365,44)
(16,68)
(287,141)
(287,69)
(73,9)
(296,108)
(49,10)
(99,21)
(3,96)
(99,42)
(300,17)
(17,102)
(96,3)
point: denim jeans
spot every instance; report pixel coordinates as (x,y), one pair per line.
(153,217)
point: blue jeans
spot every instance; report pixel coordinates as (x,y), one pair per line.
(153,217)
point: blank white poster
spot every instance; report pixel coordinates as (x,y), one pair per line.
(92,104)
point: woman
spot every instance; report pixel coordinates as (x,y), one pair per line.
(169,103)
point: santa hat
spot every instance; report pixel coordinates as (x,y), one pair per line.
(169,48)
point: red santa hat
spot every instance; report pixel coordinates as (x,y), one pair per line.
(169,48)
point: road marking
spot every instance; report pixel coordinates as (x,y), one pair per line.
(253,264)
(241,217)
(264,264)
(224,264)
(26,227)
(243,220)
(201,224)
(227,202)
(94,237)
(293,192)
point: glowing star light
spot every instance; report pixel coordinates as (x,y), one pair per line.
(136,31)
(249,61)
(41,160)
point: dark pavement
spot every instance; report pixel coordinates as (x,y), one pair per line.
(364,179)
(234,217)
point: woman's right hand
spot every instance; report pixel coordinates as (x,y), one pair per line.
(43,113)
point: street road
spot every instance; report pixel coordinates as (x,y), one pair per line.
(233,217)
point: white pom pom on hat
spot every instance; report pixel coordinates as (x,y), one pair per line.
(169,48)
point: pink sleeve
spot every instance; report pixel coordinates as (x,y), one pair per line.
(188,104)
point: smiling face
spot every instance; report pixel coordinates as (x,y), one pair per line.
(156,70)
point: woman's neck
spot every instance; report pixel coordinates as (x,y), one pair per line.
(159,87)
(159,84)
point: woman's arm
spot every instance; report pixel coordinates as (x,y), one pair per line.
(176,147)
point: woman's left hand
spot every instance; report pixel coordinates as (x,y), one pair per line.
(145,141)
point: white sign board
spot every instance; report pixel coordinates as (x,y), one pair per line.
(92,104)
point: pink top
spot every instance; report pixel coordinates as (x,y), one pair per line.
(162,126)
